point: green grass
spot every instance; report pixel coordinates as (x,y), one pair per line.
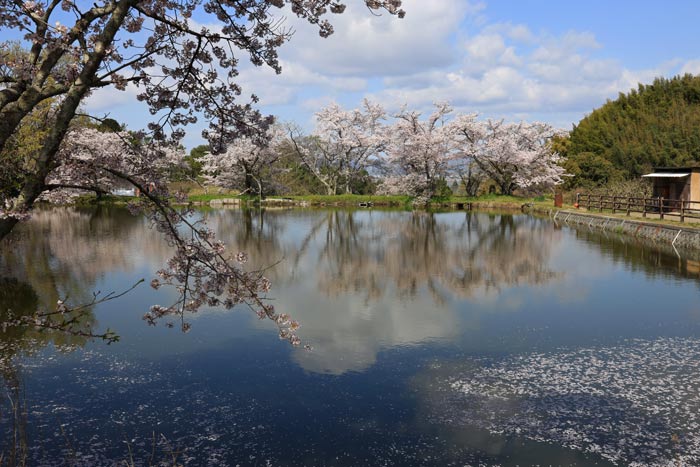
(506,201)
(205,197)
(403,200)
(201,195)
(492,200)
(312,199)
(383,200)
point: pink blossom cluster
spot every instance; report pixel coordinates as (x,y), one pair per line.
(91,160)
(245,162)
(422,152)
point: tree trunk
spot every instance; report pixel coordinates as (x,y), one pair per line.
(507,188)
(260,188)
(13,113)
(248,183)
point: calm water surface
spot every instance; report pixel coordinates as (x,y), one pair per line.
(439,339)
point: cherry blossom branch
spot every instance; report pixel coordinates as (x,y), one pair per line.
(70,317)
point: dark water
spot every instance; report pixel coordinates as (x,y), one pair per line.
(439,339)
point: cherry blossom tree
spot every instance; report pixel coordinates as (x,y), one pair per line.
(517,155)
(357,137)
(95,161)
(419,152)
(344,144)
(422,152)
(244,164)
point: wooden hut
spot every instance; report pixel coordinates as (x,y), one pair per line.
(676,183)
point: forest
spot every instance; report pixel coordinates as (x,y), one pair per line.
(655,125)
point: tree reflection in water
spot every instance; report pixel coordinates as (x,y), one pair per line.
(64,251)
(410,251)
(386,278)
(637,254)
(257,232)
(419,251)
(59,253)
(18,341)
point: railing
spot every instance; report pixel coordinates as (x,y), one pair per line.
(661,206)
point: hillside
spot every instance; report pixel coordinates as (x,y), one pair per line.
(653,125)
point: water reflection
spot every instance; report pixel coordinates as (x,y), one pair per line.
(63,252)
(59,253)
(364,252)
(16,298)
(448,255)
(637,254)
(259,233)
(464,302)
(386,278)
(359,281)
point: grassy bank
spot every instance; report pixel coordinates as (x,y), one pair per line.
(350,200)
(202,195)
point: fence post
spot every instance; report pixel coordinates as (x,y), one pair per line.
(589,202)
(644,207)
(682,211)
(614,204)
(629,205)
(661,207)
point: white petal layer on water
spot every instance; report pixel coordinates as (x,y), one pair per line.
(635,404)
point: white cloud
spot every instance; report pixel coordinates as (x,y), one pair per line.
(520,33)
(486,46)
(486,51)
(442,50)
(274,89)
(509,71)
(317,103)
(367,45)
(692,67)
(107,98)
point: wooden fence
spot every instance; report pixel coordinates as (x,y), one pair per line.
(661,206)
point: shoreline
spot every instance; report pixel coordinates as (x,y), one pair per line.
(677,236)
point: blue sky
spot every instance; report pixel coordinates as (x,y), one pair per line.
(526,59)
(640,33)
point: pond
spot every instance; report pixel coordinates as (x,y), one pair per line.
(438,339)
